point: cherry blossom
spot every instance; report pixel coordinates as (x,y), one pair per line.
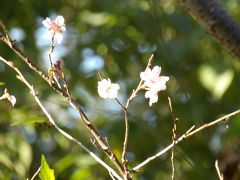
(152,95)
(153,83)
(55,27)
(107,89)
(9,97)
(12,99)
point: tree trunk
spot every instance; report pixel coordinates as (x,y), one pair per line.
(214,19)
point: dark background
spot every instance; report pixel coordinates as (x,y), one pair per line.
(116,38)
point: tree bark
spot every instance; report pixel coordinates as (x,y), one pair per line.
(214,19)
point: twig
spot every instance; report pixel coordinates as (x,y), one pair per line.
(220,175)
(174,137)
(125,109)
(125,143)
(52,46)
(120,104)
(111,175)
(102,143)
(36,173)
(150,61)
(5,30)
(65,85)
(188,134)
(22,78)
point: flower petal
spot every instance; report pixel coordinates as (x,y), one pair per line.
(12,99)
(47,22)
(59,37)
(145,75)
(156,71)
(59,20)
(153,97)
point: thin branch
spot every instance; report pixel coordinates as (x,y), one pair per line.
(52,46)
(22,78)
(150,61)
(65,84)
(5,30)
(112,176)
(188,134)
(36,173)
(100,140)
(120,104)
(220,175)
(125,143)
(125,109)
(132,96)
(174,137)
(215,20)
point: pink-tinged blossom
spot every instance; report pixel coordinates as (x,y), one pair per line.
(153,80)
(106,89)
(153,83)
(152,95)
(55,27)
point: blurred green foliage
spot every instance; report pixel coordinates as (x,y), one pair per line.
(116,38)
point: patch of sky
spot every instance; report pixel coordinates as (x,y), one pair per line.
(131,156)
(59,114)
(215,142)
(108,108)
(84,94)
(2,67)
(147,48)
(28,132)
(84,97)
(119,45)
(88,37)
(149,116)
(17,34)
(73,112)
(91,62)
(46,143)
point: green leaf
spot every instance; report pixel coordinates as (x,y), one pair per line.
(82,173)
(216,83)
(26,121)
(64,163)
(46,173)
(2,83)
(97,19)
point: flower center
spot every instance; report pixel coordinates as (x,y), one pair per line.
(55,27)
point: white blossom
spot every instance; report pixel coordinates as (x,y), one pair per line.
(154,83)
(12,99)
(9,97)
(106,89)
